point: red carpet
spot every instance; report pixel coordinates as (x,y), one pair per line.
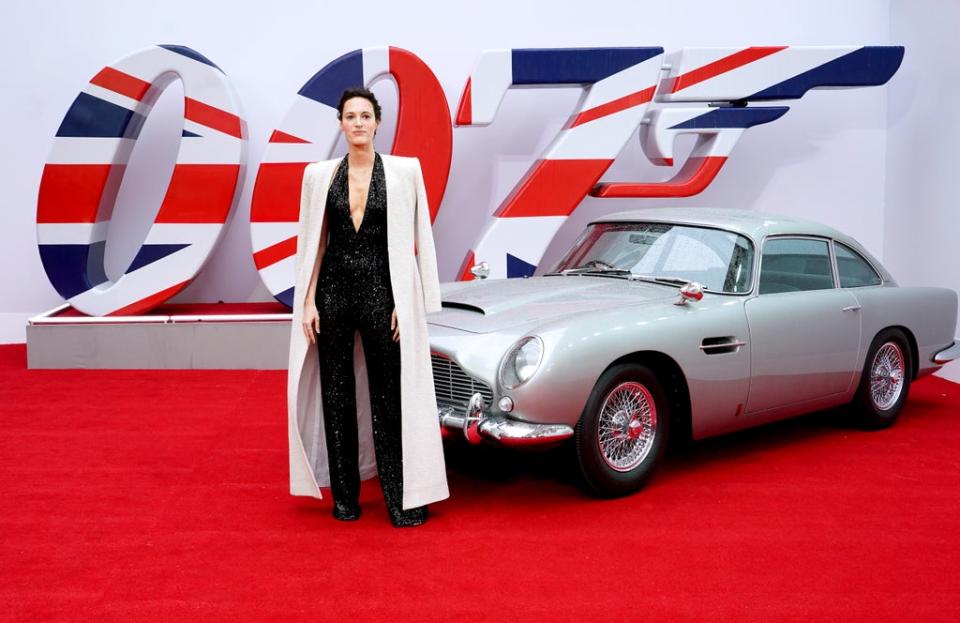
(144,495)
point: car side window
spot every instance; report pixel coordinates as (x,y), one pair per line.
(794,265)
(854,271)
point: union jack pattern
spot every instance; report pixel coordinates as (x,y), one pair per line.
(730,78)
(82,175)
(522,227)
(309,132)
(620,83)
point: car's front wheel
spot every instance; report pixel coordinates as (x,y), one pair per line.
(885,381)
(622,432)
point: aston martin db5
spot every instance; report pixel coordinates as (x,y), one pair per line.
(692,322)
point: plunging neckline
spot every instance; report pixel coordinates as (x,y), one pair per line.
(363,217)
(366,202)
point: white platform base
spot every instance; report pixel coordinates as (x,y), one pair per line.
(258,342)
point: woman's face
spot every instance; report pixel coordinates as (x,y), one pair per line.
(358,122)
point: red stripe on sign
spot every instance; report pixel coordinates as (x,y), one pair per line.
(207,115)
(199,193)
(274,253)
(465,109)
(151,301)
(465,274)
(283,137)
(695,175)
(423,129)
(71,193)
(723,65)
(120,82)
(276,193)
(622,103)
(553,188)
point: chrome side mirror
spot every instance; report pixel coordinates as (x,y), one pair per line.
(481,270)
(691,291)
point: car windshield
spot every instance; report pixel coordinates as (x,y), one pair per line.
(720,261)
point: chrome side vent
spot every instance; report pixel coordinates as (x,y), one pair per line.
(721,345)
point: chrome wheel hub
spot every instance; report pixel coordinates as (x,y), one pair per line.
(627,426)
(886,376)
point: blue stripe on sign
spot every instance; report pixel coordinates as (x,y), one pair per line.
(73,268)
(733,118)
(189,53)
(91,116)
(150,253)
(518,268)
(327,85)
(575,65)
(285,297)
(188,133)
(868,66)
(96,269)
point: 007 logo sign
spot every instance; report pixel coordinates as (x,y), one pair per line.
(707,92)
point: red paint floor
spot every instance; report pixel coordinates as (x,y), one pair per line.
(162,496)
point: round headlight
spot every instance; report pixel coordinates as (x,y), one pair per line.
(521,362)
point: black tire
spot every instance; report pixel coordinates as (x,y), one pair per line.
(889,358)
(625,466)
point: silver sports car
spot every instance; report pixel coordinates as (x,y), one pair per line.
(695,322)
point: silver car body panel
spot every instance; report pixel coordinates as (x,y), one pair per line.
(747,359)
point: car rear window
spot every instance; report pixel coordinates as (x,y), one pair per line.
(854,271)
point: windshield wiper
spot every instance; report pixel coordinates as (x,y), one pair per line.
(592,271)
(671,280)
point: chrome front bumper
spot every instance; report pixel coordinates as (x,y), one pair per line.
(476,426)
(948,354)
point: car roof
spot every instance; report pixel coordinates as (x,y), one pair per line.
(755,225)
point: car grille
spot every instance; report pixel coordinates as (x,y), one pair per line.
(454,387)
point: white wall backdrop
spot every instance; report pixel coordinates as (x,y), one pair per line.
(830,158)
(922,218)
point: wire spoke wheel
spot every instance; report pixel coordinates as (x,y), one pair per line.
(621,435)
(627,426)
(886,376)
(885,381)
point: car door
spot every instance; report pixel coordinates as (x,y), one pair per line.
(804,331)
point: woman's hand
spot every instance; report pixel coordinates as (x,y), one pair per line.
(394,325)
(311,322)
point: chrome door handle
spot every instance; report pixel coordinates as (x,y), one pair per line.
(852,308)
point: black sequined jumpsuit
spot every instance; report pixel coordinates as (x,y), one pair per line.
(354,293)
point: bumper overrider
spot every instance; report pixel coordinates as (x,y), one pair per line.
(948,354)
(476,425)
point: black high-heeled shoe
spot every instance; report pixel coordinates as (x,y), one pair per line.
(346,512)
(408,518)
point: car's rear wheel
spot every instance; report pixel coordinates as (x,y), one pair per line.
(885,382)
(622,432)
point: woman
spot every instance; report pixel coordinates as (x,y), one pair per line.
(361,217)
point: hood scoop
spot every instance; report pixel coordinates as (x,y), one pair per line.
(463,306)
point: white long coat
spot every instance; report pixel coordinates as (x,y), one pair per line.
(416,291)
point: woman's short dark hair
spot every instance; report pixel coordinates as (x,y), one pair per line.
(359,92)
